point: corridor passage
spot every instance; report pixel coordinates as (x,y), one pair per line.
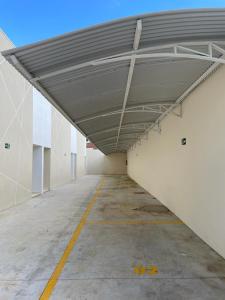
(125,245)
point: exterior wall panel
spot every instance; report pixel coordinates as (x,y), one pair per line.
(189,179)
(16,130)
(112,164)
(42,120)
(61,150)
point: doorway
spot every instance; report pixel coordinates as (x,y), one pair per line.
(37,169)
(40,169)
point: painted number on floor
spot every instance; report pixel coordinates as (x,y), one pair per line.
(145,270)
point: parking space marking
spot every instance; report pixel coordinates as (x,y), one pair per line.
(60,265)
(133,222)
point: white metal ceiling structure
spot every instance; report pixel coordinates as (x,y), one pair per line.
(117,80)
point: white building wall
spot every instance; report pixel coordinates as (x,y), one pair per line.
(42,120)
(67,154)
(67,146)
(60,151)
(15,129)
(99,163)
(189,179)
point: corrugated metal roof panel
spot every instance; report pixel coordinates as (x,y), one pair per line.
(80,88)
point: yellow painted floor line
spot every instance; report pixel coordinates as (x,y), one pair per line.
(60,265)
(133,222)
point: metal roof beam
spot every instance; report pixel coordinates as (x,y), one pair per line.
(137,35)
(137,38)
(134,126)
(117,150)
(119,147)
(217,48)
(124,142)
(172,53)
(185,52)
(132,135)
(121,142)
(188,91)
(146,108)
(210,70)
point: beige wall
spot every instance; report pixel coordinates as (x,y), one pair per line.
(60,151)
(99,163)
(81,155)
(190,180)
(16,120)
(16,129)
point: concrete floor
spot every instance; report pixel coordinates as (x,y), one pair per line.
(131,247)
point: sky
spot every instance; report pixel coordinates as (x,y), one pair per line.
(28,21)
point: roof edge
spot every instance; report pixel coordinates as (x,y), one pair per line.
(101,25)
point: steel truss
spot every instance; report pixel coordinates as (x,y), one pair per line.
(145,108)
(178,102)
(127,142)
(131,134)
(213,52)
(134,126)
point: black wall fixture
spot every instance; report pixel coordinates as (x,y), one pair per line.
(183,141)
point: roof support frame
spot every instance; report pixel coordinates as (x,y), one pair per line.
(97,48)
(157,128)
(134,126)
(178,114)
(123,142)
(137,37)
(145,108)
(119,150)
(185,48)
(131,134)
(176,51)
(129,79)
(179,101)
(217,48)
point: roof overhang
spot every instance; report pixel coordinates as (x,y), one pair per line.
(116,81)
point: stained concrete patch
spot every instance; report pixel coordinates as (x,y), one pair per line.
(140,193)
(153,209)
(103,261)
(132,289)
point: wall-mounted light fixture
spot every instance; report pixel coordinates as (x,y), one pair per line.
(183,141)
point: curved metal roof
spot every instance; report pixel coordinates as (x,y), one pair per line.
(116,80)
